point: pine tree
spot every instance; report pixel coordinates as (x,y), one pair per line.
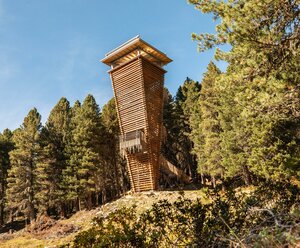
(115,165)
(54,158)
(86,156)
(21,191)
(185,99)
(169,124)
(259,93)
(69,174)
(6,145)
(177,145)
(206,128)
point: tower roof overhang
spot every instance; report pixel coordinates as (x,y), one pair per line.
(125,51)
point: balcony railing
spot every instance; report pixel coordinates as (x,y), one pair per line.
(132,142)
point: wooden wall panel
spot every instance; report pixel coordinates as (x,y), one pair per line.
(138,89)
(153,83)
(128,89)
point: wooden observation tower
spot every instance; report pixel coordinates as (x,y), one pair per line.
(137,77)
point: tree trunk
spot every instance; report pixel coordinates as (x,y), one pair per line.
(78,204)
(31,212)
(1,214)
(62,210)
(116,172)
(80,207)
(202,178)
(2,205)
(103,196)
(30,206)
(89,201)
(246,175)
(11,216)
(213,180)
(97,198)
(117,178)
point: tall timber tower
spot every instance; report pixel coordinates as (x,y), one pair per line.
(137,77)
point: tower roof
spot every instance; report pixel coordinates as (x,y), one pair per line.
(132,48)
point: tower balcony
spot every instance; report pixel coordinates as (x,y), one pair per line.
(132,142)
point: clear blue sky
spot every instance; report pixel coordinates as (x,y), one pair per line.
(52,48)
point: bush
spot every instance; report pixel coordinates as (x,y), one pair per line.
(265,217)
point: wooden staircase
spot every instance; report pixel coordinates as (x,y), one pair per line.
(173,171)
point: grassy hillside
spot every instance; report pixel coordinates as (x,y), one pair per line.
(51,233)
(266,215)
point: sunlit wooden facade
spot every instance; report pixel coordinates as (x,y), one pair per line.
(137,77)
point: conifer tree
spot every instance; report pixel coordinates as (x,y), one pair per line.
(185,99)
(169,124)
(21,191)
(116,170)
(86,156)
(6,145)
(259,93)
(69,174)
(53,159)
(206,129)
(177,146)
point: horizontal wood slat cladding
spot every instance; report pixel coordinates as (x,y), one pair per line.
(138,89)
(153,83)
(128,89)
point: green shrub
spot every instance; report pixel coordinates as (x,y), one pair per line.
(265,217)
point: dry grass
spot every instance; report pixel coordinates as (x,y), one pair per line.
(57,234)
